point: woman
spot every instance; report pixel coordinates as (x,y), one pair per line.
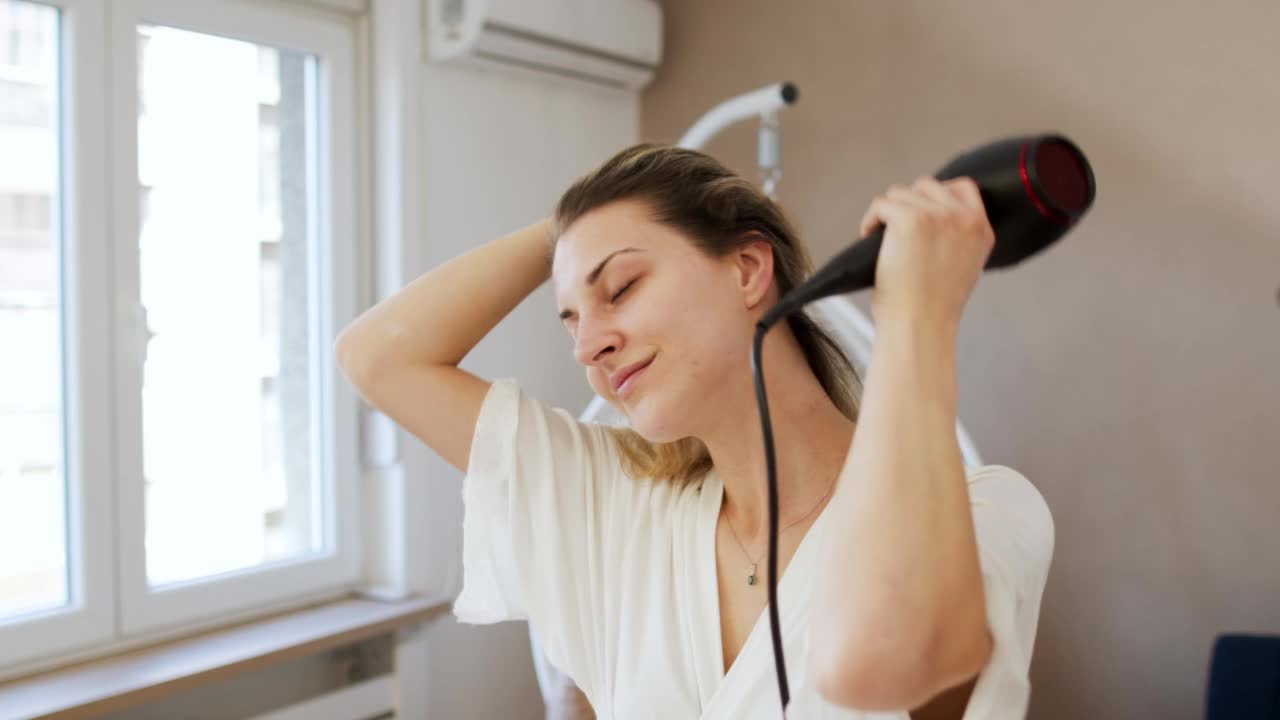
(909,584)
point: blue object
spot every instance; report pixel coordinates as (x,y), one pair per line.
(1244,678)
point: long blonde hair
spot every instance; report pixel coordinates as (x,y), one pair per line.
(718,212)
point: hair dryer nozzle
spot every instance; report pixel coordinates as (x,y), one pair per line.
(1059,175)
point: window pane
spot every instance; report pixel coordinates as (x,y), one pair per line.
(226,134)
(33,532)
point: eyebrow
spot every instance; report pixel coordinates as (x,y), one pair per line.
(595,273)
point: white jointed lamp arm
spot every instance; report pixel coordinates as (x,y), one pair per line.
(762,102)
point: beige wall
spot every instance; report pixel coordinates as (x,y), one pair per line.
(1132,371)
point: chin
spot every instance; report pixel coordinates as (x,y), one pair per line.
(652,424)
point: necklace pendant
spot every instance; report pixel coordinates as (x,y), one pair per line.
(751,579)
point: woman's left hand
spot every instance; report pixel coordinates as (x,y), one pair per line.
(936,243)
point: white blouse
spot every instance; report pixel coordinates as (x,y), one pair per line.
(618,576)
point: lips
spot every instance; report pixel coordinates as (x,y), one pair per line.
(620,377)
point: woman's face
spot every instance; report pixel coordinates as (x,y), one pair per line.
(634,293)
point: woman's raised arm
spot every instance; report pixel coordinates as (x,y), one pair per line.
(402,354)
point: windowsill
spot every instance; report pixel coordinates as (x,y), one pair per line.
(115,683)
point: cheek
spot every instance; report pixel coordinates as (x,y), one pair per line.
(598,382)
(716,342)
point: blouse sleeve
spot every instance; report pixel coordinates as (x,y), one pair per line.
(536,495)
(1015,534)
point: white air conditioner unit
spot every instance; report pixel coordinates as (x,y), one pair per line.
(608,42)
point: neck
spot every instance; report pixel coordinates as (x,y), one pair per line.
(811,439)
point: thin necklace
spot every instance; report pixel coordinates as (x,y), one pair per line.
(751,576)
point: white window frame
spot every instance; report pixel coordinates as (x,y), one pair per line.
(110,605)
(89,615)
(143,609)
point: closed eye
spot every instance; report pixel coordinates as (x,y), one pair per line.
(567,315)
(623,290)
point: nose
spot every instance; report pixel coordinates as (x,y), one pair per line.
(596,342)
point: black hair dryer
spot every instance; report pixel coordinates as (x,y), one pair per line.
(1034,189)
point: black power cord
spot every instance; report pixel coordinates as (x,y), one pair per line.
(762,401)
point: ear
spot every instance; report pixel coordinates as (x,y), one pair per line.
(753,268)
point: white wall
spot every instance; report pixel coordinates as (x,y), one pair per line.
(499,147)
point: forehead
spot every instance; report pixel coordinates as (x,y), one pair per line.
(590,239)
